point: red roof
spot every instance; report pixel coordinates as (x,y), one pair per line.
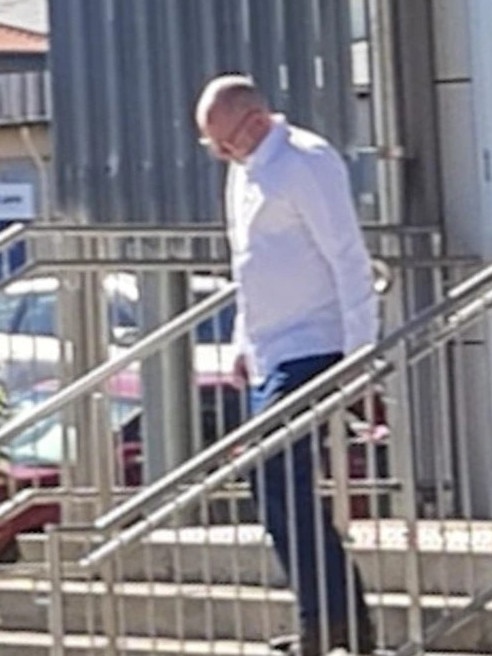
(17,39)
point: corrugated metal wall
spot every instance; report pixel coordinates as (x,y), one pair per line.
(125,77)
(25,97)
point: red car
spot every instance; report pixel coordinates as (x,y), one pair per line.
(33,458)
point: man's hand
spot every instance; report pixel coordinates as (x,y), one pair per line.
(377,411)
(240,372)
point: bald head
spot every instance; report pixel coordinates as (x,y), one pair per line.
(229,94)
(233,116)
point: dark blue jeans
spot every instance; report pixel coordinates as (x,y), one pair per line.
(284,379)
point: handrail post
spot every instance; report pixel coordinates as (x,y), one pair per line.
(102,447)
(403,466)
(55,566)
(110,607)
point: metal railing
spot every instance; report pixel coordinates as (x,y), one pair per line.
(187,255)
(106,472)
(76,255)
(112,430)
(74,246)
(212,594)
(216,406)
(36,363)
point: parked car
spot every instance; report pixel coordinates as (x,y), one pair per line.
(34,457)
(30,350)
(30,355)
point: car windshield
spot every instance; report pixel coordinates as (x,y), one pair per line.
(11,311)
(35,313)
(42,444)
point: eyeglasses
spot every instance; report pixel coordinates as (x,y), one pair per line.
(224,144)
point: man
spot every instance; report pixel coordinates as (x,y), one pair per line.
(305,300)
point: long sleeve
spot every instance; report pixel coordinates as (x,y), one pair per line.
(322,196)
(238,333)
(239,330)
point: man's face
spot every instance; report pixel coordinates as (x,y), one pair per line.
(226,135)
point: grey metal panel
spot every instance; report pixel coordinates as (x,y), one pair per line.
(418,110)
(127,74)
(451,39)
(24,97)
(460,180)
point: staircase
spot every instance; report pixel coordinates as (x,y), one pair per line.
(219,589)
(239,599)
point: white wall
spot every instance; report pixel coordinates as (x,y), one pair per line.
(27,14)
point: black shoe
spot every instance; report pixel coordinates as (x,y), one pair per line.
(309,643)
(285,644)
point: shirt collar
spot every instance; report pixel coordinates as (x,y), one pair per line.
(268,146)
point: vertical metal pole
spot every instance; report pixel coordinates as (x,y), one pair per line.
(56,599)
(461,426)
(387,140)
(92,349)
(102,448)
(109,608)
(166,380)
(319,527)
(486,444)
(65,320)
(404,467)
(342,512)
(84,327)
(385,108)
(340,473)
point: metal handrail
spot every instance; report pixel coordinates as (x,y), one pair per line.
(200,228)
(11,234)
(149,344)
(268,446)
(28,497)
(292,403)
(216,233)
(15,233)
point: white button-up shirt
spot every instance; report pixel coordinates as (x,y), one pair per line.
(304,274)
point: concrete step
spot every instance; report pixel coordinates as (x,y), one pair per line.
(221,611)
(391,618)
(219,554)
(454,557)
(14,643)
(218,612)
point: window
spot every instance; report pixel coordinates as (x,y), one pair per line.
(10,309)
(217,329)
(38,317)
